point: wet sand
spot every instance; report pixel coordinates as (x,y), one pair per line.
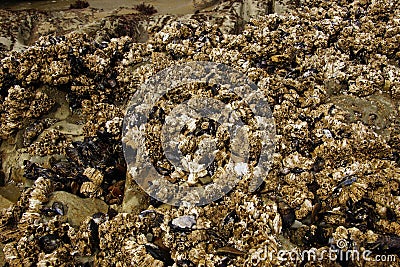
(178,7)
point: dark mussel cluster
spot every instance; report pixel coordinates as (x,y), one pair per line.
(99,157)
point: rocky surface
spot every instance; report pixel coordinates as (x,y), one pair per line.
(24,27)
(330,73)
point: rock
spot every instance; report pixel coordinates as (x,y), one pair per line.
(135,199)
(77,209)
(6,43)
(205,180)
(4,203)
(10,192)
(280,8)
(2,259)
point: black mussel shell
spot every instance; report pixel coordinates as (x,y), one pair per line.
(48,212)
(231,217)
(159,254)
(58,208)
(287,213)
(49,243)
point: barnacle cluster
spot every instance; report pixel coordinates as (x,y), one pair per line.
(197,136)
(52,142)
(90,169)
(22,28)
(330,72)
(22,104)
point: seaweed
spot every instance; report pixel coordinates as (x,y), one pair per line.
(146,9)
(79,4)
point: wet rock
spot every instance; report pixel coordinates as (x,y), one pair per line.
(4,203)
(76,209)
(2,260)
(10,192)
(135,199)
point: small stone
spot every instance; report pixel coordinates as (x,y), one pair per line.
(149,237)
(184,223)
(297,224)
(205,180)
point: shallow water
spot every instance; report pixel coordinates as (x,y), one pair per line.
(178,7)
